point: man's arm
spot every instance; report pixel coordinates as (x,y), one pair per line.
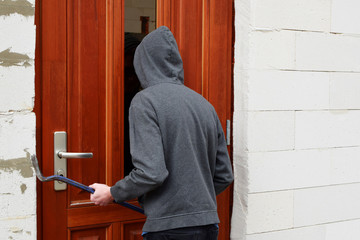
(147,153)
(147,156)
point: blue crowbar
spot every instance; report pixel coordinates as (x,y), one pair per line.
(74,183)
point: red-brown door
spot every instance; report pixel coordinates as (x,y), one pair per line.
(79,90)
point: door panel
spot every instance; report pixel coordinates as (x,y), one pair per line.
(203,31)
(185,21)
(132,231)
(218,81)
(86,88)
(83,216)
(98,233)
(53,78)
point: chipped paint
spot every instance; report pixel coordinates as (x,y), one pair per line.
(23,188)
(8,58)
(16,218)
(19,164)
(22,7)
(16,230)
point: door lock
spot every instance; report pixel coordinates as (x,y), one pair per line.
(60,172)
(60,158)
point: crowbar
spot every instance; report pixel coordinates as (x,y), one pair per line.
(71,182)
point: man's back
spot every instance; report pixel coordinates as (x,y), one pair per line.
(190,136)
(176,141)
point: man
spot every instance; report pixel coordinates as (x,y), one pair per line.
(177,146)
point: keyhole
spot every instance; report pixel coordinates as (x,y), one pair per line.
(60,172)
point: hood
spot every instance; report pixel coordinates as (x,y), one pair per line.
(157,59)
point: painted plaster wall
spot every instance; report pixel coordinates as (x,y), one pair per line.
(17,121)
(296,120)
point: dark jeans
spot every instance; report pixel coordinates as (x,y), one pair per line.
(208,232)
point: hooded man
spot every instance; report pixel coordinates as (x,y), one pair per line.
(177,146)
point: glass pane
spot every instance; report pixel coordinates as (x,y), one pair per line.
(140,19)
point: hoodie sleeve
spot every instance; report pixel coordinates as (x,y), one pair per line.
(223,172)
(147,154)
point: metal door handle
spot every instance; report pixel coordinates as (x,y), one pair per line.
(74,155)
(60,158)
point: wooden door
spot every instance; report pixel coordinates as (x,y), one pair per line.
(79,89)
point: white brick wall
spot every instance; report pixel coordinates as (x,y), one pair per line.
(17,122)
(289,90)
(344,91)
(18,228)
(17,131)
(14,37)
(292,14)
(337,203)
(327,52)
(308,233)
(327,129)
(16,195)
(296,120)
(345,16)
(270,211)
(272,49)
(269,131)
(349,230)
(304,169)
(282,210)
(16,88)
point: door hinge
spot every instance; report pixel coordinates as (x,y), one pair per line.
(228,132)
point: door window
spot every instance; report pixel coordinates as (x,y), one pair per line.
(140,19)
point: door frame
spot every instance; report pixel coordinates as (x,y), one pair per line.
(210,13)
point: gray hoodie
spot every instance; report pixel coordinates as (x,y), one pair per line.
(176,141)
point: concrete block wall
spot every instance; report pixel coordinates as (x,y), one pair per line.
(136,8)
(296,120)
(17,121)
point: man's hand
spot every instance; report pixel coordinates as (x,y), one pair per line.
(102,195)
